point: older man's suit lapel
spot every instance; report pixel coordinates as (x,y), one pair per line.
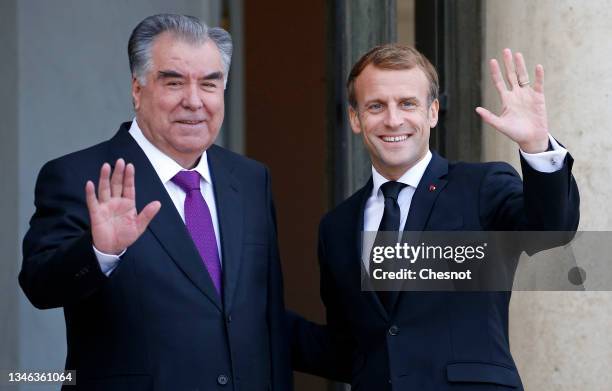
(231,219)
(167,226)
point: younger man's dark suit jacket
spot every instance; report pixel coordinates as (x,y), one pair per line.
(429,341)
(157,323)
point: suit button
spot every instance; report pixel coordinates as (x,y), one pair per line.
(393,330)
(222,380)
(81,272)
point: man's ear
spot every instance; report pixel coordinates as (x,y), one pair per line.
(136,92)
(434,108)
(354,120)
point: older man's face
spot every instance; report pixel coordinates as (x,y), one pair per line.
(394,117)
(180,108)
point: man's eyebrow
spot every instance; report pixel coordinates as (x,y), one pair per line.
(374,100)
(401,98)
(213,76)
(168,74)
(165,74)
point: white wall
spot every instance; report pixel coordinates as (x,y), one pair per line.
(561,340)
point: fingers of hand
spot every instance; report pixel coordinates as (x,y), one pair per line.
(104,191)
(496,76)
(539,79)
(509,68)
(129,189)
(117,178)
(146,215)
(521,69)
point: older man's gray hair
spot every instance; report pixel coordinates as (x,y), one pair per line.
(188,28)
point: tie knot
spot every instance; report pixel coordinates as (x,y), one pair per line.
(187,180)
(391,189)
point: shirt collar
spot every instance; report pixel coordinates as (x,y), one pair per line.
(165,167)
(412,177)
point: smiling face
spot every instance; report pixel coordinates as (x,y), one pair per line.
(394,116)
(180,108)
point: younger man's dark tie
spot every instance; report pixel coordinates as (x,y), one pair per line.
(390,222)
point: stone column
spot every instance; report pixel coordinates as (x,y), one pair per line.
(561,340)
(355,27)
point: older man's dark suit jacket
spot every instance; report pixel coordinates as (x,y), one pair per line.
(157,322)
(428,341)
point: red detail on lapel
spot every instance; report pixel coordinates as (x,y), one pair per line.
(432,187)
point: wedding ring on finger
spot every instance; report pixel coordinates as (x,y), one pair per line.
(523,83)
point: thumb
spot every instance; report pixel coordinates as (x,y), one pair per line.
(489,117)
(146,215)
(90,197)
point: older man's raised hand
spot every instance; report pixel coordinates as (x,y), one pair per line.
(115,223)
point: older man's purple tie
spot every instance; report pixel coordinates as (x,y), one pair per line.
(199,224)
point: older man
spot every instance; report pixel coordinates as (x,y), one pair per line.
(187,294)
(426,341)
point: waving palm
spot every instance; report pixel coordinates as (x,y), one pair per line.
(115,223)
(523,116)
